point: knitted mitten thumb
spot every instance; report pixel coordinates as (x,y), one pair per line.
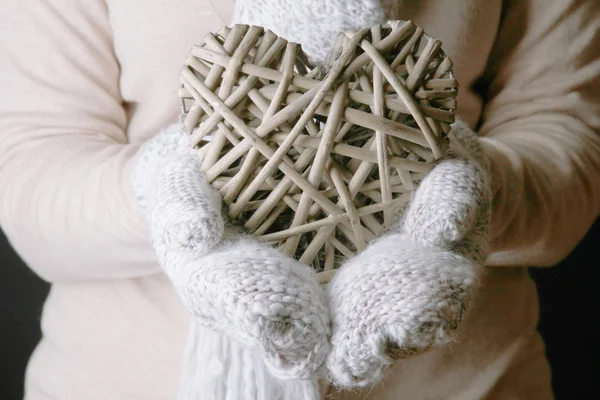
(451,208)
(232,284)
(184,211)
(409,290)
(315,24)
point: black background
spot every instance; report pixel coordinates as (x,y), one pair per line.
(568,298)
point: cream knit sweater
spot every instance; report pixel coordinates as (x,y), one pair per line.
(84,83)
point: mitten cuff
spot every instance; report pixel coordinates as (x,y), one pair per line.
(169,145)
(465,143)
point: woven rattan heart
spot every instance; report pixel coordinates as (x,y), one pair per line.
(317,163)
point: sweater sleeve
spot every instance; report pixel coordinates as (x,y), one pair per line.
(541,129)
(65,198)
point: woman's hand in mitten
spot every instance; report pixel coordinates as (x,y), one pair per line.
(408,291)
(232,283)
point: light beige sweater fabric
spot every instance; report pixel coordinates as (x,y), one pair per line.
(83,83)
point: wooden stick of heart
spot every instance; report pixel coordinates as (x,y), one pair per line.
(285,164)
(289,60)
(317,161)
(380,138)
(307,114)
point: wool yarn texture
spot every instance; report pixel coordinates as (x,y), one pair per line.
(315,24)
(229,282)
(263,328)
(410,289)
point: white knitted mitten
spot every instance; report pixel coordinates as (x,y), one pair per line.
(231,283)
(408,291)
(315,24)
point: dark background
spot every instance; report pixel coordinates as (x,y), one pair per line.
(569,314)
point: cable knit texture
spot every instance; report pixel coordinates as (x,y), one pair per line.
(231,283)
(410,289)
(315,24)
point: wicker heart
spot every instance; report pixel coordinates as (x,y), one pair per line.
(317,163)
